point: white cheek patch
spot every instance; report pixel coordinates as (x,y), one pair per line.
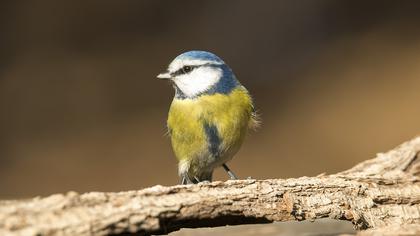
(199,80)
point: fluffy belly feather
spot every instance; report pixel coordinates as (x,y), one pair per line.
(208,130)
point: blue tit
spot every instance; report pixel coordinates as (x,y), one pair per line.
(209,116)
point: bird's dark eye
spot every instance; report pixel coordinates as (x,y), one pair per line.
(186,69)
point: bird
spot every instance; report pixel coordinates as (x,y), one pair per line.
(209,116)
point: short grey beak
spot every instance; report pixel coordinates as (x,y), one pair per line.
(165,75)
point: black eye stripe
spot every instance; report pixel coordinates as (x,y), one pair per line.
(187,69)
(184,70)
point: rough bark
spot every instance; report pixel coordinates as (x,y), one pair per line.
(381,195)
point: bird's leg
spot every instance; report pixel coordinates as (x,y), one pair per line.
(185,179)
(197,179)
(229,172)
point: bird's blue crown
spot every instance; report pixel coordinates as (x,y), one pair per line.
(200,55)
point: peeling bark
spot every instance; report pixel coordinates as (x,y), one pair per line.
(379,196)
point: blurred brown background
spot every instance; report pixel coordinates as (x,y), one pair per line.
(335,82)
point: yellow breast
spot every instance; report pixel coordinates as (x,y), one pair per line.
(193,122)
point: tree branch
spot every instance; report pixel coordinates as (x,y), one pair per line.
(381,195)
